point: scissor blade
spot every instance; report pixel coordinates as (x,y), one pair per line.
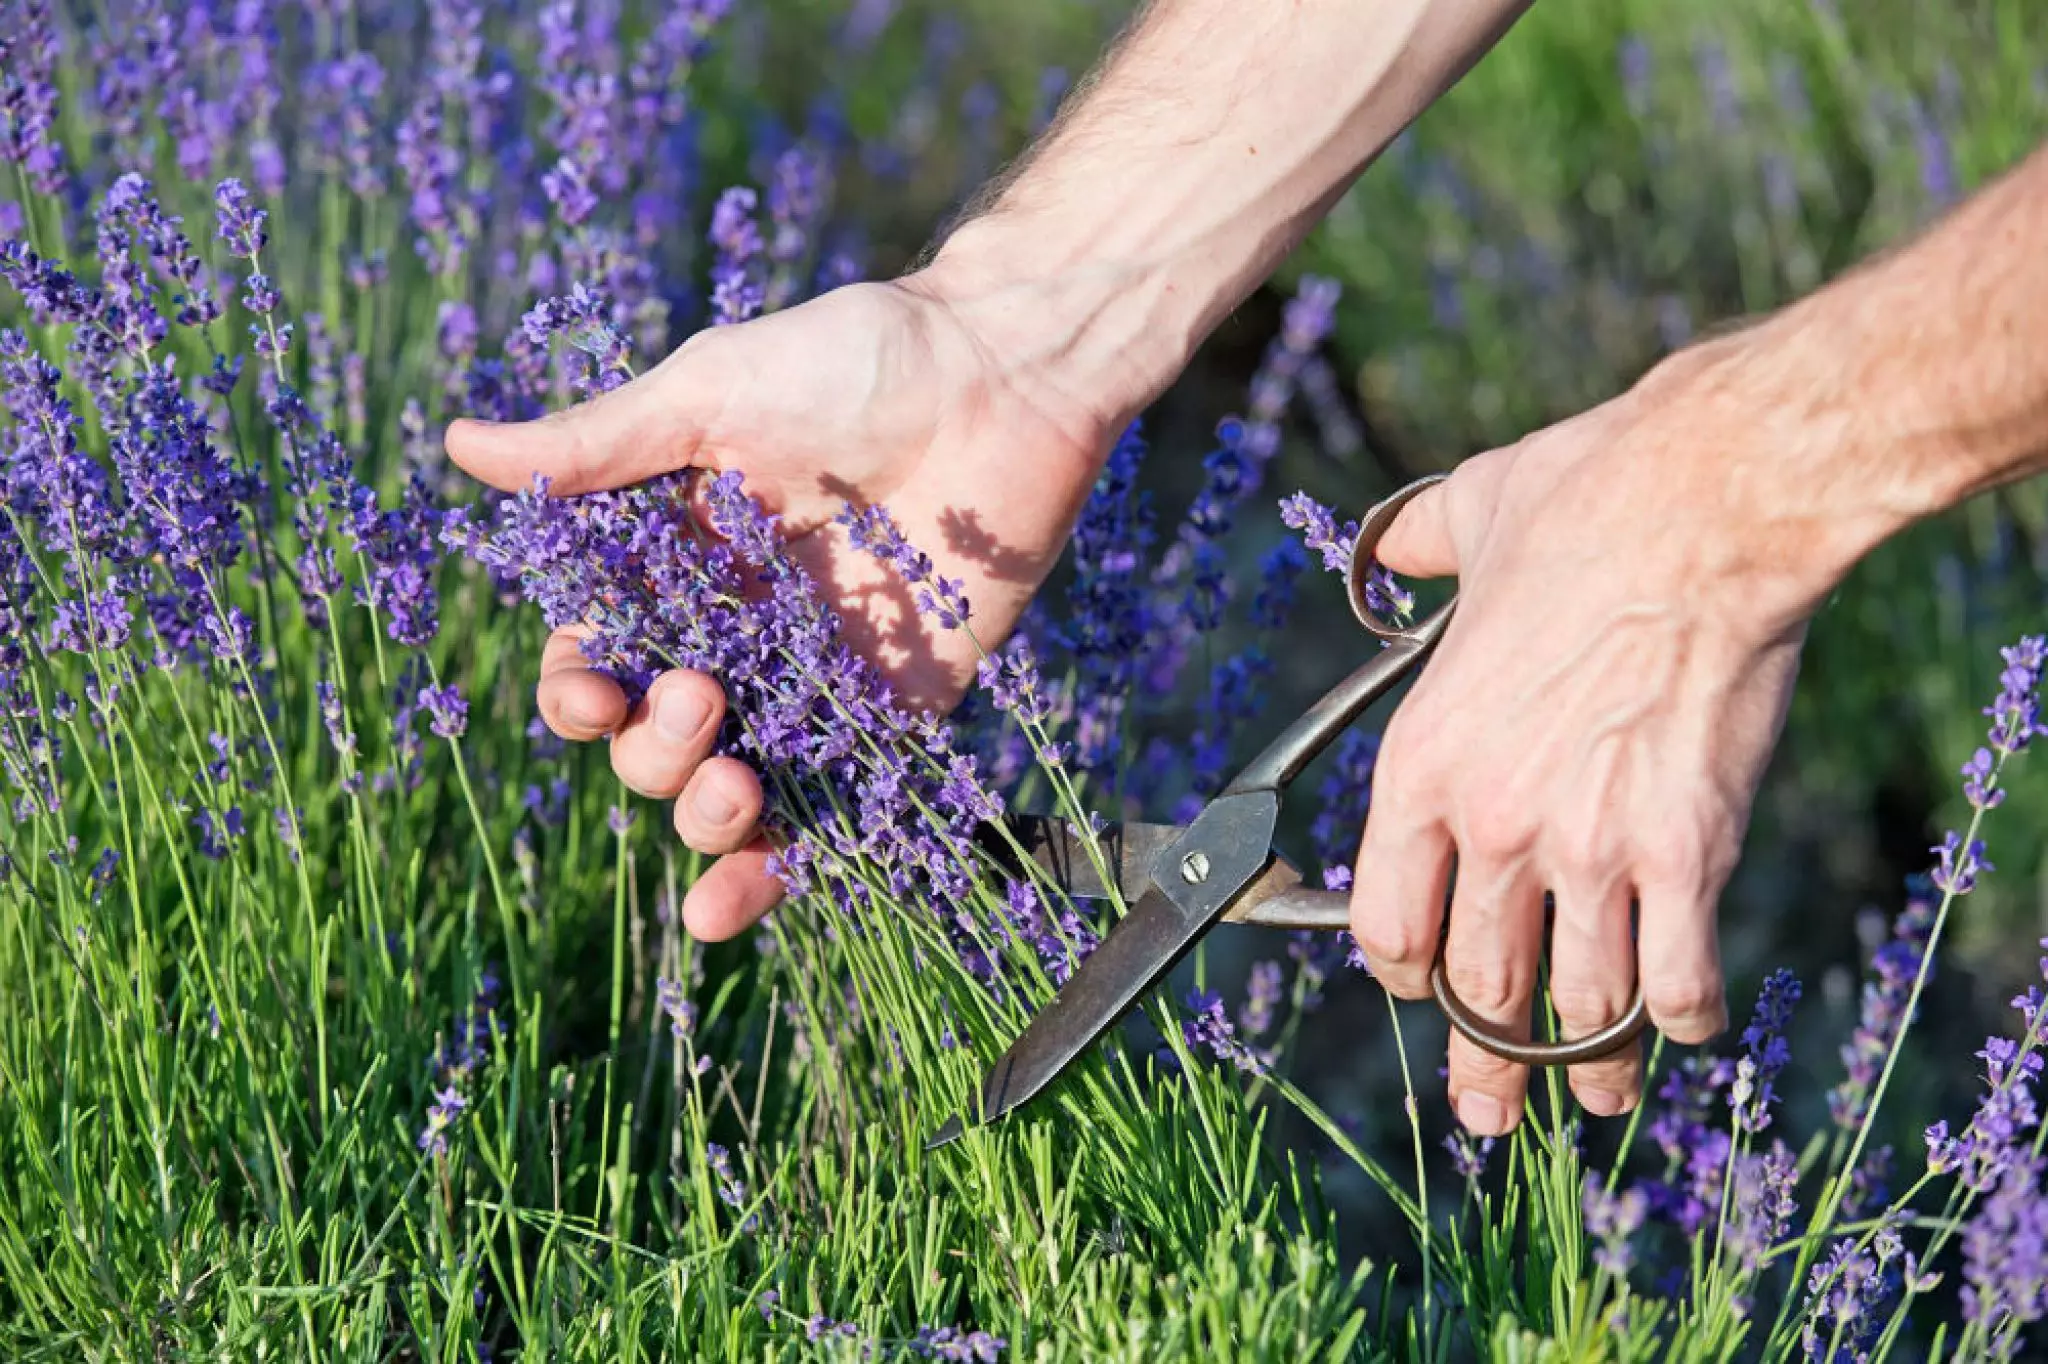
(1129,961)
(1129,850)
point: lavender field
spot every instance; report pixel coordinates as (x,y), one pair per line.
(347,1013)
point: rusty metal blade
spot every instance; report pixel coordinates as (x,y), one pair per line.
(1233,839)
(1129,961)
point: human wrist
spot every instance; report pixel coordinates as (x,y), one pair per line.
(1770,432)
(1100,330)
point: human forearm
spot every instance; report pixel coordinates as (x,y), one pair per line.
(1210,141)
(1900,390)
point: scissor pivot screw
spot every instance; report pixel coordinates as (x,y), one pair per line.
(1194,868)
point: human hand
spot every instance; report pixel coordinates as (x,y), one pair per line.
(884,393)
(1633,593)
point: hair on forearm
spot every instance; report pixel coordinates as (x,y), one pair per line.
(1081,95)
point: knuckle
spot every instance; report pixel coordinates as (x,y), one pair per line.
(1497,987)
(1686,1005)
(1583,851)
(1497,825)
(1684,860)
(1585,1003)
(1392,938)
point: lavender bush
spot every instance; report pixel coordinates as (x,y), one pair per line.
(346,1014)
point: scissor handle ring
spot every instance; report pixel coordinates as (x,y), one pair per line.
(1371,529)
(1592,1047)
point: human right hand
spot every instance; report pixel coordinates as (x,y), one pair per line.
(876,393)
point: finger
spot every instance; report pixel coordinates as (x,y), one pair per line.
(1592,981)
(648,426)
(719,807)
(668,734)
(1419,542)
(1680,956)
(1490,960)
(1397,897)
(575,702)
(733,894)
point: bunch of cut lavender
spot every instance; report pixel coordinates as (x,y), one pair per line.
(863,801)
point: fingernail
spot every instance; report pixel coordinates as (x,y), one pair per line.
(1605,1103)
(679,714)
(1482,1114)
(714,806)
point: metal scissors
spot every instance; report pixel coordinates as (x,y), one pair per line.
(1222,868)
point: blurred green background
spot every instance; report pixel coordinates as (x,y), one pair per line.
(1616,178)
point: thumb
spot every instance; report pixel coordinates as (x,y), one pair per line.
(647,426)
(1419,543)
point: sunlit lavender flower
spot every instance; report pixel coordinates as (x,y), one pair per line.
(1766,1052)
(1959,865)
(1998,1133)
(1208,1028)
(1849,1295)
(242,225)
(1320,531)
(28,97)
(737,291)
(871,529)
(732,1190)
(442,1115)
(447,710)
(1979,781)
(1011,679)
(582,318)
(1468,1157)
(2016,712)
(2005,1256)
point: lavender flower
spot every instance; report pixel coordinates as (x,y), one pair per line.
(732,1190)
(1893,969)
(2016,712)
(1468,1157)
(670,998)
(2005,1257)
(442,1115)
(242,224)
(1262,998)
(951,1342)
(821,726)
(28,96)
(1613,1217)
(448,711)
(872,530)
(1959,864)
(737,292)
(1849,1295)
(1208,1028)
(1766,1052)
